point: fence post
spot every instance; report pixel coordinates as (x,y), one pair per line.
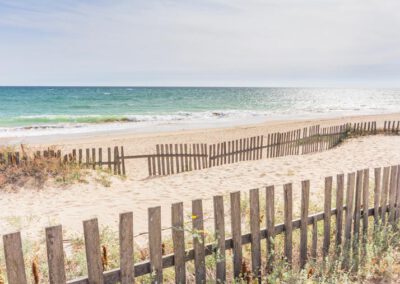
(357,218)
(255,233)
(236,233)
(305,194)
(270,223)
(327,215)
(348,220)
(93,254)
(288,207)
(377,192)
(14,258)
(198,241)
(219,224)
(123,160)
(155,245)
(339,211)
(178,238)
(126,248)
(55,255)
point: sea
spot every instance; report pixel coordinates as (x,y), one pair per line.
(37,111)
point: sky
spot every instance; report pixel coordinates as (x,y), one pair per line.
(315,43)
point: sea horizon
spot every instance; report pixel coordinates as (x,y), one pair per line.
(47,110)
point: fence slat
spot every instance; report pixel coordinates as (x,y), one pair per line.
(171,151)
(349,219)
(314,239)
(155,246)
(357,216)
(55,255)
(305,194)
(178,238)
(219,223)
(377,192)
(93,253)
(288,207)
(365,205)
(327,216)
(236,233)
(339,213)
(126,247)
(198,241)
(270,223)
(14,258)
(392,194)
(163,158)
(255,233)
(384,193)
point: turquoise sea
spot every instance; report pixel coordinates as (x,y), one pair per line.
(46,110)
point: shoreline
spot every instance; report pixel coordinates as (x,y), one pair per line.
(168,129)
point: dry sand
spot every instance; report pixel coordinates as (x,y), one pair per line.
(31,210)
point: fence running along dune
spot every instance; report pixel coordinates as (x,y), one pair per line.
(177,158)
(348,219)
(88,158)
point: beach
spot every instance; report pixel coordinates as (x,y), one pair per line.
(30,210)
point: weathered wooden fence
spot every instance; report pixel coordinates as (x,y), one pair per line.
(176,158)
(351,211)
(391,127)
(89,158)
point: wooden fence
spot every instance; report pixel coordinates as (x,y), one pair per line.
(351,211)
(89,158)
(391,127)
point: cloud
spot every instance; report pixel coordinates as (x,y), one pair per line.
(214,42)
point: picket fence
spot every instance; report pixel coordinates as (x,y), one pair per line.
(350,231)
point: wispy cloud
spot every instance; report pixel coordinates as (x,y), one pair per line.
(214,42)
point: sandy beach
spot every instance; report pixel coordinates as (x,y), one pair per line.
(30,210)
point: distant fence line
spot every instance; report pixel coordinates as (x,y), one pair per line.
(177,158)
(351,212)
(89,158)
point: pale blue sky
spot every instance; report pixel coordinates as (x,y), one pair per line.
(200,42)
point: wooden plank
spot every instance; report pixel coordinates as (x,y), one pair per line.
(178,238)
(397,197)
(14,258)
(149,166)
(177,159)
(198,241)
(167,158)
(87,157)
(314,239)
(357,217)
(93,253)
(94,158)
(108,158)
(384,193)
(236,233)
(153,163)
(195,157)
(183,166)
(327,216)
(126,247)
(159,172)
(365,205)
(100,157)
(339,214)
(171,152)
(224,154)
(219,150)
(55,255)
(305,195)
(261,147)
(255,233)
(377,192)
(162,158)
(123,161)
(155,246)
(288,214)
(270,224)
(219,224)
(117,160)
(392,194)
(348,219)
(190,158)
